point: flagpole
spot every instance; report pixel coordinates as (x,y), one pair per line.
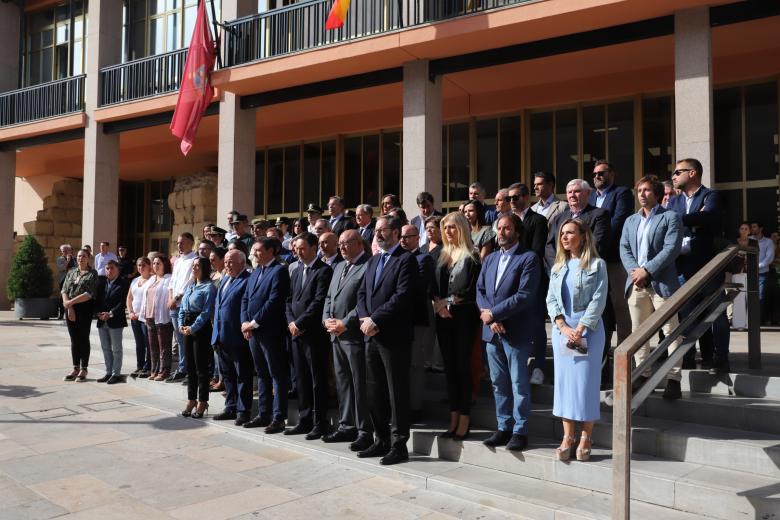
(217,38)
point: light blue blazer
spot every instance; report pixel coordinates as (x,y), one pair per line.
(664,243)
(590,293)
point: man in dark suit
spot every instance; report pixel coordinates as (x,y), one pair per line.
(338,220)
(507,295)
(364,215)
(532,237)
(340,319)
(308,287)
(385,311)
(619,202)
(423,319)
(110,310)
(425,203)
(235,359)
(700,210)
(262,323)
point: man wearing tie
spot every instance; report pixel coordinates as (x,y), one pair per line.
(235,360)
(385,311)
(308,287)
(338,221)
(507,295)
(262,317)
(349,355)
(425,203)
(364,214)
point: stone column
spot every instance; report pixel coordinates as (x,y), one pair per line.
(10,19)
(100,213)
(693,88)
(237,140)
(421,136)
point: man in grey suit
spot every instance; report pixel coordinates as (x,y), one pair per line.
(548,205)
(649,245)
(349,357)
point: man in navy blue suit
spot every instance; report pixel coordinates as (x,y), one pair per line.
(619,203)
(262,317)
(385,311)
(507,295)
(235,361)
(310,342)
(699,208)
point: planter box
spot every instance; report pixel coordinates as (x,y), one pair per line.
(36,308)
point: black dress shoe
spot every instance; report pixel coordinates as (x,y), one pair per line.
(449,434)
(143,374)
(225,416)
(463,437)
(115,379)
(276,426)
(672,390)
(362,443)
(707,364)
(340,436)
(175,377)
(242,419)
(397,454)
(260,421)
(720,367)
(103,379)
(378,449)
(316,433)
(499,438)
(517,442)
(299,429)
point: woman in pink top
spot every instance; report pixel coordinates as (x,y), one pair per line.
(158,318)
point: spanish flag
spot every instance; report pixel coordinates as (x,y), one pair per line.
(338,14)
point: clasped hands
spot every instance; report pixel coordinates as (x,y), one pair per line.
(487,319)
(441,309)
(368,327)
(573,334)
(334,326)
(640,277)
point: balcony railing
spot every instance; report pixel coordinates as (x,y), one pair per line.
(146,77)
(300,27)
(56,98)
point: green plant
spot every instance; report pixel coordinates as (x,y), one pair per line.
(30,275)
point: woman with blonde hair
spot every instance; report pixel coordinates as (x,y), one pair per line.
(575,302)
(457,317)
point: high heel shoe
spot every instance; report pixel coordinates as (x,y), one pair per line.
(564,454)
(583,454)
(187,412)
(449,434)
(200,411)
(463,437)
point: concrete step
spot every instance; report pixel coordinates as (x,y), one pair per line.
(744,385)
(695,488)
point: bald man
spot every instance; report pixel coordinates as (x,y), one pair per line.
(329,249)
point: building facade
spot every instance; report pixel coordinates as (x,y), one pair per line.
(410,95)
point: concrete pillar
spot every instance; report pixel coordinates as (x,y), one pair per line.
(421,136)
(100,214)
(237,139)
(10,19)
(693,88)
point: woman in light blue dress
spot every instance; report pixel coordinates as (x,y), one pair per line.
(575,302)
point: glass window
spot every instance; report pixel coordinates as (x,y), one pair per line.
(732,208)
(593,133)
(566,156)
(311,173)
(275,180)
(762,205)
(260,183)
(391,163)
(487,154)
(510,160)
(728,134)
(620,141)
(371,170)
(541,142)
(457,163)
(328,172)
(292,179)
(761,146)
(353,169)
(657,155)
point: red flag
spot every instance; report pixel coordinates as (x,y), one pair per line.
(337,15)
(195,92)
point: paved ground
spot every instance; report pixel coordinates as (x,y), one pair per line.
(92,451)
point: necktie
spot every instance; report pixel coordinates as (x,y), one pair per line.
(304,276)
(380,267)
(344,273)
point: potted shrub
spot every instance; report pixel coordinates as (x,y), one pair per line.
(30,282)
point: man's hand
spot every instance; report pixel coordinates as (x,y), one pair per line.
(368,327)
(486,316)
(294,330)
(640,277)
(71,314)
(246,327)
(335,327)
(497,328)
(187,331)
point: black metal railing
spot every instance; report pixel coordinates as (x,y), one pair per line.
(301,26)
(52,99)
(142,78)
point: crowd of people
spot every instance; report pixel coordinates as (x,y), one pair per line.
(364,307)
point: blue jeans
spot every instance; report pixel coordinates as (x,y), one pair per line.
(762,278)
(182,367)
(111,343)
(511,385)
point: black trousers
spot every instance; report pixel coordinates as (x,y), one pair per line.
(310,356)
(199,355)
(456,341)
(387,383)
(79,334)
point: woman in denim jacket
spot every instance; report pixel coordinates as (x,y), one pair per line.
(195,314)
(575,302)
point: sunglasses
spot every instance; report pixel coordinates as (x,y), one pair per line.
(600,173)
(513,198)
(675,173)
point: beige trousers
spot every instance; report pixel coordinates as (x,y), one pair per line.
(641,304)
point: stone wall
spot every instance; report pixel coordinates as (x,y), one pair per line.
(59,222)
(193,202)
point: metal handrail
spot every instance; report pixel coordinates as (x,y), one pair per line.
(624,403)
(142,78)
(43,101)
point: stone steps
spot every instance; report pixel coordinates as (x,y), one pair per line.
(745,385)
